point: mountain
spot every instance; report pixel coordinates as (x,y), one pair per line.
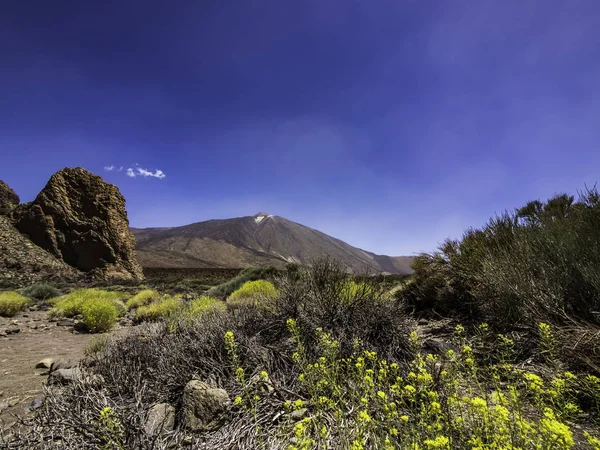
(258,240)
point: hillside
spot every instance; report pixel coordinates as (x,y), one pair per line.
(22,262)
(258,240)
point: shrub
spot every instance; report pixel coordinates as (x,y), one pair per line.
(75,302)
(121,307)
(166,308)
(538,263)
(323,296)
(249,274)
(11,303)
(99,315)
(41,291)
(204,305)
(253,292)
(143,298)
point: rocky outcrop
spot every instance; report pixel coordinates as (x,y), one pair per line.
(22,262)
(9,200)
(81,219)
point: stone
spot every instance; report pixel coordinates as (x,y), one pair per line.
(422,322)
(9,200)
(81,219)
(62,364)
(160,419)
(299,414)
(65,323)
(65,376)
(36,403)
(12,331)
(45,363)
(203,405)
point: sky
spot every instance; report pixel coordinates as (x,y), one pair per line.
(390,124)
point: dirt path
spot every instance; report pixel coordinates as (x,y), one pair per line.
(37,339)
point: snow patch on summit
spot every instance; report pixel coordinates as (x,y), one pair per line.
(259,219)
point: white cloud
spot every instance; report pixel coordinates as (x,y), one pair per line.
(146,173)
(134,172)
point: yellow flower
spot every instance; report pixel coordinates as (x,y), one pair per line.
(364,417)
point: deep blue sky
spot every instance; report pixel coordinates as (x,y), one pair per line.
(390,124)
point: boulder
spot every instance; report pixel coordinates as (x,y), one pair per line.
(65,376)
(203,406)
(160,419)
(45,363)
(9,200)
(81,219)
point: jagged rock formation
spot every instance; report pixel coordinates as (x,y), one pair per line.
(259,240)
(9,200)
(81,219)
(22,262)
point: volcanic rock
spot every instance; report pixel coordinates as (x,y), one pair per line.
(81,219)
(8,199)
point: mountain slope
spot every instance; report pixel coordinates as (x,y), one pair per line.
(258,240)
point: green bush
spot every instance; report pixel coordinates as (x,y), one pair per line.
(165,308)
(538,263)
(41,291)
(75,302)
(99,314)
(204,305)
(121,307)
(143,298)
(11,303)
(253,292)
(249,274)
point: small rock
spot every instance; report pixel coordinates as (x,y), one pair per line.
(299,414)
(65,323)
(203,405)
(80,327)
(25,315)
(12,331)
(160,419)
(36,403)
(45,363)
(65,376)
(423,322)
(187,441)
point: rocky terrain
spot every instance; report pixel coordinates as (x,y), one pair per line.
(258,240)
(76,225)
(22,262)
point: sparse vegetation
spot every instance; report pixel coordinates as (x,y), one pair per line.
(11,303)
(250,274)
(259,292)
(165,308)
(143,298)
(204,305)
(41,291)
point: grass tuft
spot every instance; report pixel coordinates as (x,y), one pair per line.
(11,303)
